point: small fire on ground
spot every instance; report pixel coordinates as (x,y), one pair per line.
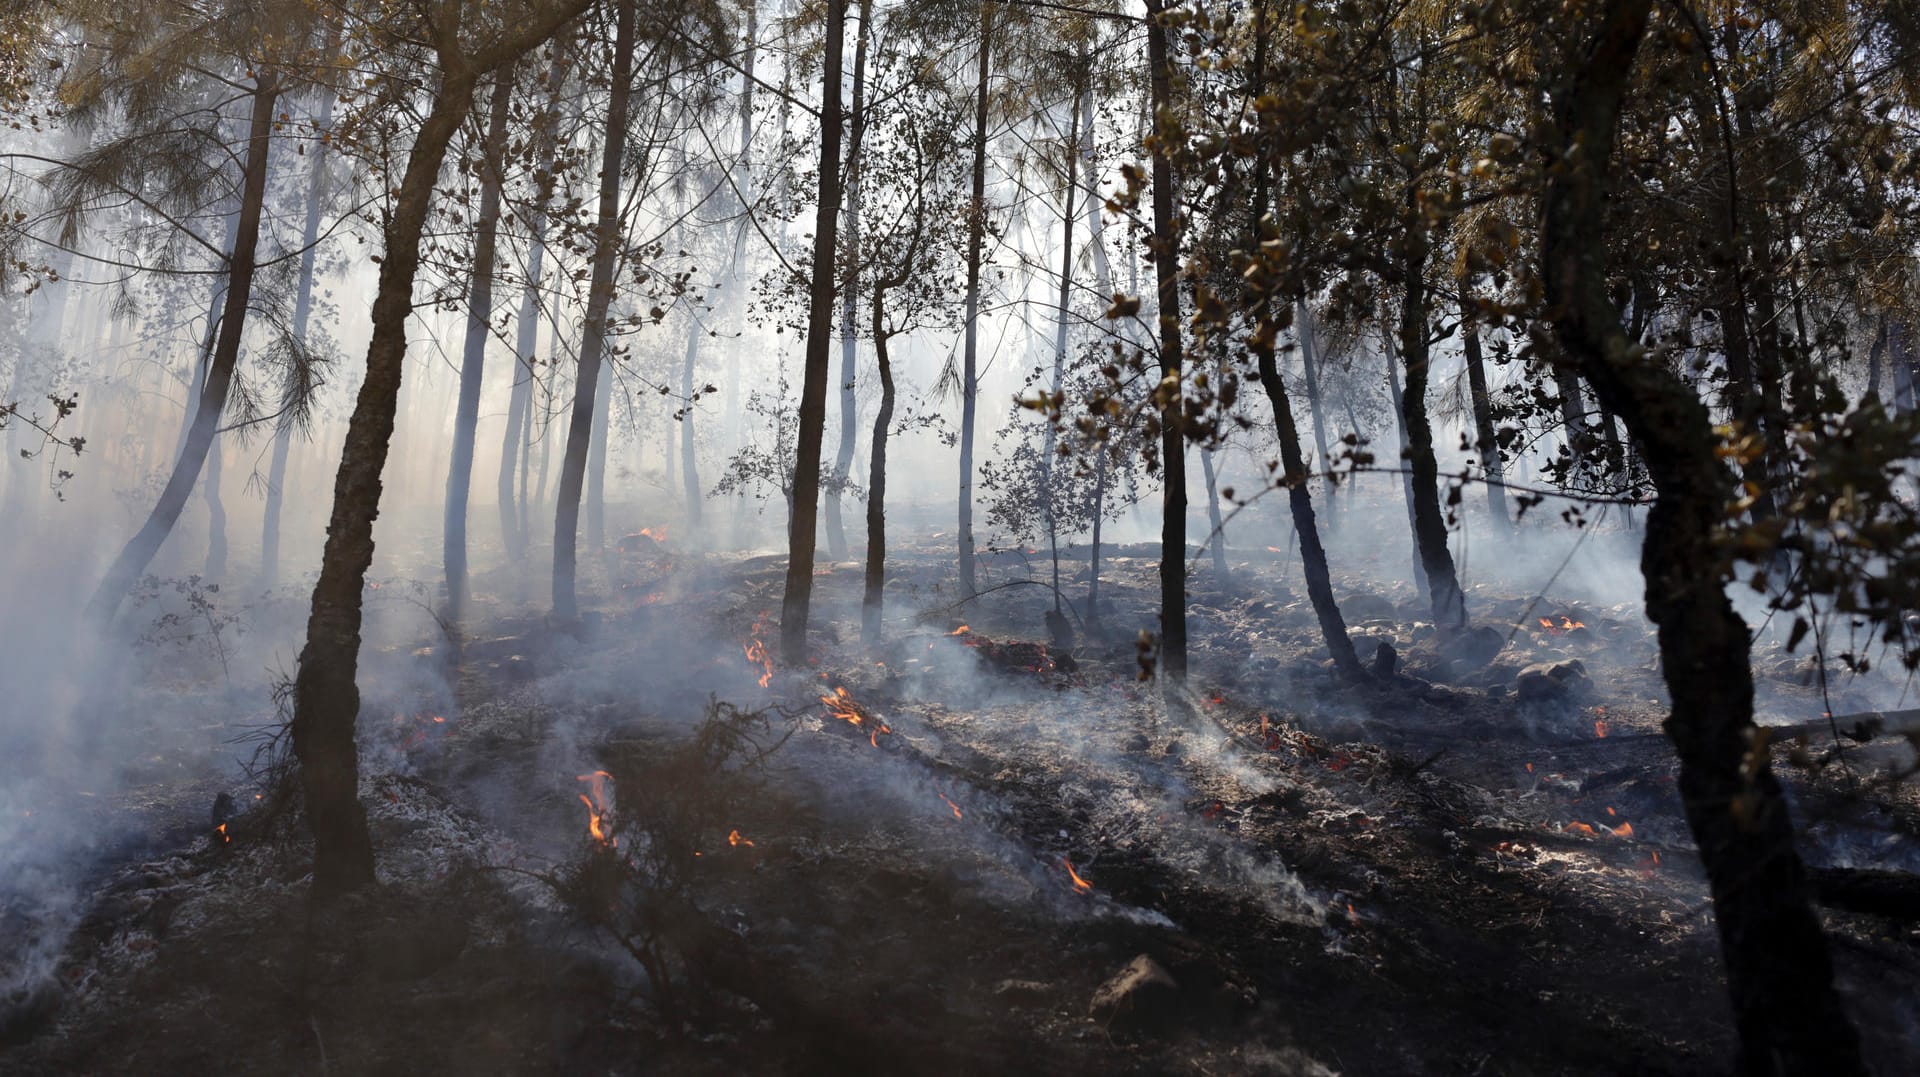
(1080,885)
(841,705)
(756,647)
(598,806)
(1566,625)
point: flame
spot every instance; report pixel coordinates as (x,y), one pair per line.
(841,705)
(437,718)
(1624,830)
(657,534)
(756,649)
(1080,886)
(1601,728)
(961,631)
(1582,828)
(1352,917)
(1568,624)
(1529,768)
(957,814)
(1275,549)
(225,838)
(597,808)
(734,838)
(1547,623)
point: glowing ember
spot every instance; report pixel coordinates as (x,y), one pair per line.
(1624,830)
(1601,728)
(956,808)
(756,648)
(1352,917)
(734,838)
(841,705)
(961,631)
(1275,549)
(1582,828)
(1080,886)
(225,838)
(598,805)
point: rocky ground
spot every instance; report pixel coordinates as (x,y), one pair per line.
(981,847)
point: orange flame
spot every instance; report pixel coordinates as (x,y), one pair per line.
(225,838)
(1601,728)
(1624,830)
(1080,886)
(1568,624)
(756,648)
(597,807)
(1275,549)
(734,838)
(961,631)
(956,808)
(841,705)
(1582,828)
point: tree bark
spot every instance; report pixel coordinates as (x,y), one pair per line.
(140,549)
(1788,1014)
(873,601)
(1406,475)
(1064,312)
(804,516)
(689,458)
(969,372)
(1488,437)
(1171,394)
(850,296)
(573,468)
(1310,366)
(302,314)
(473,359)
(1429,526)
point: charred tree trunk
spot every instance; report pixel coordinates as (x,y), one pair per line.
(466,418)
(302,314)
(1049,448)
(804,516)
(517,439)
(1789,1016)
(850,297)
(689,459)
(140,550)
(1406,476)
(1483,431)
(873,601)
(326,699)
(970,347)
(1216,524)
(1171,394)
(1310,367)
(1429,526)
(586,387)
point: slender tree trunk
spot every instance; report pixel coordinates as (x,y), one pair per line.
(326,699)
(1063,314)
(573,469)
(850,297)
(1171,392)
(514,523)
(689,459)
(1484,432)
(1310,366)
(1789,1016)
(1100,483)
(1406,476)
(1876,354)
(140,549)
(596,493)
(216,569)
(873,601)
(970,346)
(804,515)
(302,314)
(1429,526)
(473,359)
(1217,538)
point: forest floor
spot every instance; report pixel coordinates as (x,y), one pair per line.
(1476,864)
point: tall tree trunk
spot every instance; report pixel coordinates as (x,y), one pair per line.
(302,315)
(602,432)
(326,699)
(873,601)
(1483,430)
(1100,484)
(1876,354)
(1063,313)
(689,459)
(1303,322)
(1429,526)
(804,514)
(1171,392)
(140,549)
(573,468)
(1789,1016)
(1217,525)
(216,568)
(1406,475)
(736,317)
(514,523)
(850,296)
(970,346)
(473,359)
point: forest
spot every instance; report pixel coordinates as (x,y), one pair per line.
(960,536)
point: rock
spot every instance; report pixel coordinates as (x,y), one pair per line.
(1472,649)
(1141,997)
(1059,631)
(1553,682)
(1138,743)
(1367,606)
(1022,992)
(1385,658)
(1063,662)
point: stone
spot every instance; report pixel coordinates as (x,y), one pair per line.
(1385,658)
(1472,648)
(1141,997)
(1563,681)
(1367,606)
